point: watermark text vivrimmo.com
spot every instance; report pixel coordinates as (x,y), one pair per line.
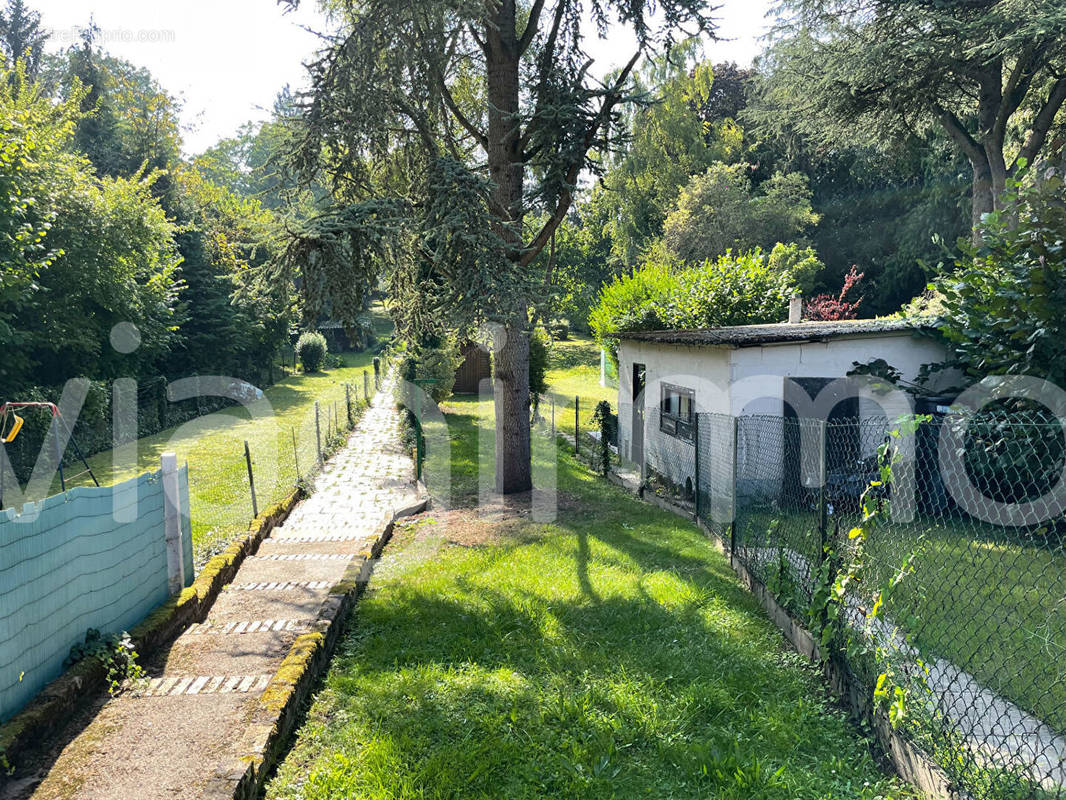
(112,36)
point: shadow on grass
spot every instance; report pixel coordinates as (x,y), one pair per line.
(611,654)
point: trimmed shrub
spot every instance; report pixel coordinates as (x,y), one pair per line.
(430,362)
(745,289)
(311,349)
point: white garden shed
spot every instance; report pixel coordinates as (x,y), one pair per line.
(667,377)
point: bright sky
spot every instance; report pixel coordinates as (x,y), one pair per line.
(227,59)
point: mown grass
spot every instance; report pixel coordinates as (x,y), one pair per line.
(213,447)
(610,654)
(574,371)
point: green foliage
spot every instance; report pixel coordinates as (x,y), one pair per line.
(681,133)
(606,421)
(720,210)
(80,253)
(1004,306)
(117,653)
(431,365)
(311,349)
(801,263)
(610,653)
(841,585)
(33,134)
(540,356)
(731,290)
(21,37)
(986,77)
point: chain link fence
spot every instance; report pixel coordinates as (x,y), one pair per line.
(927,557)
(902,548)
(254,475)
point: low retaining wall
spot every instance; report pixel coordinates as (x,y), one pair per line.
(279,706)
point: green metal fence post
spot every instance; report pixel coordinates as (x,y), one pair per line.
(736,505)
(318,433)
(577,425)
(251,479)
(366,386)
(696,442)
(823,501)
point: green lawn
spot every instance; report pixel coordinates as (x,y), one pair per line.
(611,654)
(991,603)
(574,371)
(213,446)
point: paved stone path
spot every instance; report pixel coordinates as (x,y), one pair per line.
(169,738)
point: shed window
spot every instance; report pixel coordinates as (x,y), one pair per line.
(677,412)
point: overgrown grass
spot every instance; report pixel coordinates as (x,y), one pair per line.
(991,602)
(610,654)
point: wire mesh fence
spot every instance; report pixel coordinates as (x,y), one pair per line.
(279,458)
(901,547)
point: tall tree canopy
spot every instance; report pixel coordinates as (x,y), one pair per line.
(469,114)
(21,36)
(990,73)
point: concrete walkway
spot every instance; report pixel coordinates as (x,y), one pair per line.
(172,737)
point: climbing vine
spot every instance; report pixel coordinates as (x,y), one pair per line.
(841,620)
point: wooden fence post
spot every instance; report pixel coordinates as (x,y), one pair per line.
(296,456)
(172,523)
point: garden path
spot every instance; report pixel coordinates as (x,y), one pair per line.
(189,728)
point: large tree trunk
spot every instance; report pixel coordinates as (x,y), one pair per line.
(511,394)
(984,196)
(511,375)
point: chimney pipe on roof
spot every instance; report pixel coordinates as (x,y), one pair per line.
(795,310)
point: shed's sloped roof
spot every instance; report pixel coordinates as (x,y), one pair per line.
(749,335)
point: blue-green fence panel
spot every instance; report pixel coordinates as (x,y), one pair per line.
(74,566)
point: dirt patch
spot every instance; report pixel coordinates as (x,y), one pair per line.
(501,520)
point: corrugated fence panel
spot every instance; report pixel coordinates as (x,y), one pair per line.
(73,567)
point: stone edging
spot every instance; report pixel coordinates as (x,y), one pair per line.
(278,708)
(86,680)
(910,763)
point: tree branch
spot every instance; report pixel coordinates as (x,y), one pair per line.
(1018,83)
(531,27)
(960,136)
(610,100)
(460,117)
(545,63)
(1042,123)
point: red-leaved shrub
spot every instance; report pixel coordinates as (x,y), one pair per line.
(827,308)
